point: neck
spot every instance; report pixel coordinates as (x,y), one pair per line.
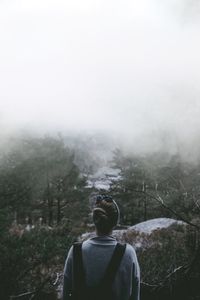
(98,233)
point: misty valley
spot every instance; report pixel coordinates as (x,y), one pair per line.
(47,190)
(100,98)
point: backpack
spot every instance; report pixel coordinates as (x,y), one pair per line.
(103,291)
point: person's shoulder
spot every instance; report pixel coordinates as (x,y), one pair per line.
(130,251)
(71,249)
(129,247)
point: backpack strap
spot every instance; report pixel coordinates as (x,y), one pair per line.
(78,270)
(113,265)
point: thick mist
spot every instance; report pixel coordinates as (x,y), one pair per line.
(130,69)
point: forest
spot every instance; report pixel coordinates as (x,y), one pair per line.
(45,205)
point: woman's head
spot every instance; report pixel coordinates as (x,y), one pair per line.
(105,214)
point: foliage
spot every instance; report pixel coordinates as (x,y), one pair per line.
(42,185)
(43,205)
(40,179)
(145,178)
(27,259)
(162,251)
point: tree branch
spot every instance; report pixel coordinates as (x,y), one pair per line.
(159,200)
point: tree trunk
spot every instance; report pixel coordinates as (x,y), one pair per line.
(58,211)
(50,206)
(145,200)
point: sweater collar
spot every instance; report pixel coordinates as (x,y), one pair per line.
(104,238)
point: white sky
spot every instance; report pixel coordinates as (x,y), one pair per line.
(127,66)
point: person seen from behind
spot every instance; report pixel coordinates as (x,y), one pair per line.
(101,268)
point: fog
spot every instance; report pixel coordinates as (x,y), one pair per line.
(128,68)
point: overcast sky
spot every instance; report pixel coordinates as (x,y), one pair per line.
(123,66)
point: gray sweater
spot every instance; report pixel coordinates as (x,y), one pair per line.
(97,253)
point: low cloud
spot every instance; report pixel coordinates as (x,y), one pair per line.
(128,68)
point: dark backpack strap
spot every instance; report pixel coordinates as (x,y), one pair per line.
(113,265)
(79,275)
(78,270)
